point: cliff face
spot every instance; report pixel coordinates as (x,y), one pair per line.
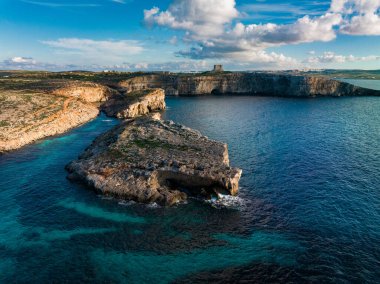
(264,84)
(39,117)
(46,108)
(86,92)
(137,103)
(149,160)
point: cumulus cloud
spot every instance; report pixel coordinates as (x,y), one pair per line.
(24,63)
(331,57)
(214,30)
(22,60)
(201,18)
(361,17)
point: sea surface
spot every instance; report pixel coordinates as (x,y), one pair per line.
(308,209)
(370,84)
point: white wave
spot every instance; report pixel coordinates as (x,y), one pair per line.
(227,201)
(153,205)
(126,203)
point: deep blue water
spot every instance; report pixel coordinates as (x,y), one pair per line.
(308,211)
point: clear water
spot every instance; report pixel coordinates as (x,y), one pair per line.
(308,211)
(370,84)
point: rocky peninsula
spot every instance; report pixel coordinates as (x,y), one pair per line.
(35,109)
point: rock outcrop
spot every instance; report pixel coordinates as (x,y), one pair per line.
(45,108)
(259,84)
(138,103)
(86,91)
(149,160)
(26,125)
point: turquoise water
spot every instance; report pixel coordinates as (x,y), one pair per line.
(308,211)
(370,84)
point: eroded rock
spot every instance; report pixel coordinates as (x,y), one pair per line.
(138,103)
(238,83)
(149,160)
(86,91)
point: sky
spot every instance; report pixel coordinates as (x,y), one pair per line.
(189,35)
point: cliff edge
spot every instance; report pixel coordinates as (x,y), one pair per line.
(256,84)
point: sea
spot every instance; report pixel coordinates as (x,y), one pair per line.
(308,210)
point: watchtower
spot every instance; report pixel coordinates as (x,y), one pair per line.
(218,68)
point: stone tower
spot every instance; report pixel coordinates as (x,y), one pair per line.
(218,68)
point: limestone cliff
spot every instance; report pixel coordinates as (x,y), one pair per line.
(260,84)
(32,111)
(86,92)
(149,160)
(39,117)
(134,104)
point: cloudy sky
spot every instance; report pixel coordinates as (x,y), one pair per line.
(189,34)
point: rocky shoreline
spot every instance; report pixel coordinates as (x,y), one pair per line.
(149,160)
(144,159)
(29,115)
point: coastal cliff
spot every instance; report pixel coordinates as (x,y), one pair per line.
(259,84)
(29,114)
(148,160)
(134,104)
(86,91)
(32,111)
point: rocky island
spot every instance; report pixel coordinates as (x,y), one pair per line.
(148,160)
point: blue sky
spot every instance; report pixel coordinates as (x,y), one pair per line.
(189,34)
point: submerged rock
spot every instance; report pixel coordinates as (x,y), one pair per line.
(149,160)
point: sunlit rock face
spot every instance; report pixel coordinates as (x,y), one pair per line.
(260,84)
(85,91)
(135,104)
(149,160)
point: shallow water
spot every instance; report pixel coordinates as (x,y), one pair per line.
(308,211)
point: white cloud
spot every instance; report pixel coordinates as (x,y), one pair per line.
(331,57)
(57,5)
(119,1)
(361,17)
(28,63)
(24,63)
(210,26)
(201,18)
(305,29)
(22,60)
(99,50)
(214,31)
